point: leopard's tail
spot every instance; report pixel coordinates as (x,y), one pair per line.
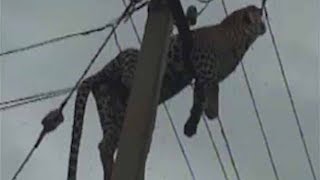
(79,110)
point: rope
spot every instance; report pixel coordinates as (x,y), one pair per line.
(290,96)
(256,111)
(166,109)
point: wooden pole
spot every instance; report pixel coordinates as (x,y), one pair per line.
(139,122)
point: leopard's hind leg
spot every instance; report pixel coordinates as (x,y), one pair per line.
(110,111)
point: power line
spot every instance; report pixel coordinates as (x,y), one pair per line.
(224,135)
(116,24)
(28,157)
(180,143)
(6,105)
(69,36)
(117,41)
(55,117)
(135,29)
(57,39)
(215,147)
(290,95)
(50,94)
(30,97)
(256,111)
(206,4)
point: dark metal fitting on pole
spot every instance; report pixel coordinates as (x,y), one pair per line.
(192,15)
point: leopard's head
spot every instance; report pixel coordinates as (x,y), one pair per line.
(248,20)
(252,18)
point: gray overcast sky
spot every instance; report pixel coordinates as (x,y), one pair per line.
(296,27)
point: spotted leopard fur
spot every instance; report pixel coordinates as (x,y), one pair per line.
(216,52)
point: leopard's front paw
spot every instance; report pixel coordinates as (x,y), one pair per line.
(190,129)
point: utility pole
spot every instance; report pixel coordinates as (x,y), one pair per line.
(136,135)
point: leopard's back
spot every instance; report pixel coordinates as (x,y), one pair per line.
(177,75)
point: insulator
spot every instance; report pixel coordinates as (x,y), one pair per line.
(192,15)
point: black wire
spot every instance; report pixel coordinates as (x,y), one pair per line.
(54,118)
(39,97)
(206,4)
(224,135)
(23,163)
(264,135)
(290,96)
(124,14)
(29,155)
(215,147)
(32,99)
(57,39)
(134,27)
(117,41)
(180,142)
(257,112)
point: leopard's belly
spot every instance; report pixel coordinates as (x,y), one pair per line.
(172,85)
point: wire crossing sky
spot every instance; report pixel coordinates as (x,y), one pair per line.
(239,125)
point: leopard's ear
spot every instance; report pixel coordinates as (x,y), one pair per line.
(248,17)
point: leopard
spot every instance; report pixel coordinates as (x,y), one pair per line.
(217,50)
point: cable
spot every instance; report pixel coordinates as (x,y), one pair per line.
(224,135)
(179,142)
(215,147)
(35,98)
(31,99)
(55,117)
(117,41)
(25,100)
(68,36)
(205,6)
(290,96)
(127,12)
(256,112)
(166,108)
(28,157)
(116,24)
(57,39)
(133,25)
